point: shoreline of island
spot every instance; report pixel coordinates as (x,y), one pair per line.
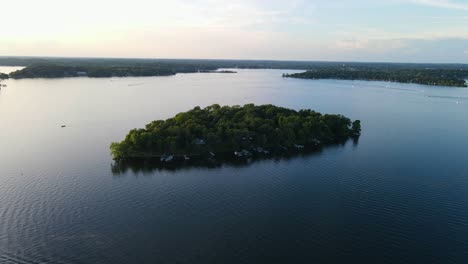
(239,132)
(436,77)
(59,71)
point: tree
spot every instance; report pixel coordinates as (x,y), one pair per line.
(227,129)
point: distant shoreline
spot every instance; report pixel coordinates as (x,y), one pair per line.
(453,75)
(437,77)
(23,61)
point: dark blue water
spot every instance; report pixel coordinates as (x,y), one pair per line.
(400,195)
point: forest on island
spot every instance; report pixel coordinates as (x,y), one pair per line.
(231,128)
(440,77)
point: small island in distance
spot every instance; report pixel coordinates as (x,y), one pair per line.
(238,131)
(439,77)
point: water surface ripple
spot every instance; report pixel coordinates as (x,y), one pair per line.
(397,196)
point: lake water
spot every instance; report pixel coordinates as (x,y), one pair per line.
(399,195)
(9,69)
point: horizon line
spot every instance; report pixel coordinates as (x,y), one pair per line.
(226,59)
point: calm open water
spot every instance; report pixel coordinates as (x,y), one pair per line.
(399,195)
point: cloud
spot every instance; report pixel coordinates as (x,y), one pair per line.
(370,45)
(443,50)
(239,29)
(443,4)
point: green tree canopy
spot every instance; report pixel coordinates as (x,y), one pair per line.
(228,128)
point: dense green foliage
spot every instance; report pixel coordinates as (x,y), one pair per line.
(225,129)
(441,77)
(3,76)
(56,71)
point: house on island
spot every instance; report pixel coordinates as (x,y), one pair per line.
(199,141)
(81,73)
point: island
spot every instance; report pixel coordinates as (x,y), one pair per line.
(236,131)
(439,77)
(60,71)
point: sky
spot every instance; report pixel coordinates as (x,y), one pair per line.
(319,30)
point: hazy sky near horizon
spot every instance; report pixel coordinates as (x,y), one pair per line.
(357,30)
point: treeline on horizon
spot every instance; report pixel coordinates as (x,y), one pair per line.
(216,63)
(59,71)
(431,74)
(440,77)
(233,128)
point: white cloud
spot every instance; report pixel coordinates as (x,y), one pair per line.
(370,45)
(244,29)
(443,4)
(403,50)
(358,36)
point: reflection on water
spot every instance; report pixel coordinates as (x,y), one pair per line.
(399,196)
(148,166)
(448,97)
